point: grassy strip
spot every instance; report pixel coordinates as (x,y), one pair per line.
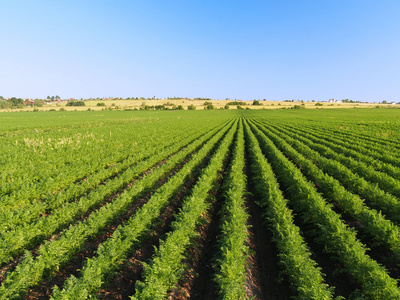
(163,272)
(52,255)
(231,260)
(114,250)
(331,231)
(303,273)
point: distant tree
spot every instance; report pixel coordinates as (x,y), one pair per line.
(159,107)
(48,97)
(39,102)
(5,104)
(226,106)
(236,103)
(15,101)
(384,102)
(76,103)
(210,106)
(52,98)
(180,107)
(191,107)
(100,104)
(58,97)
(256,102)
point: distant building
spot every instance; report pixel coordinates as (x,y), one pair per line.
(331,100)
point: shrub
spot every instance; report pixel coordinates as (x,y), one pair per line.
(236,103)
(226,107)
(100,104)
(210,106)
(191,107)
(256,102)
(76,103)
(318,104)
(39,102)
(207,103)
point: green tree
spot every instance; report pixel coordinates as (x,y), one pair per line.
(39,102)
(15,101)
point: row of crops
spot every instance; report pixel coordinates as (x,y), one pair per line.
(158,205)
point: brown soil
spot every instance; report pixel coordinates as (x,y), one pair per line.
(196,282)
(263,277)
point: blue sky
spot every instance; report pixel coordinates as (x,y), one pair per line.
(246,50)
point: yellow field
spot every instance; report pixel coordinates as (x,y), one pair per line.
(132,104)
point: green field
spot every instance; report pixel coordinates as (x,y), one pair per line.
(206,204)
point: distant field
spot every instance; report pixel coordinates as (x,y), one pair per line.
(199,104)
(227,204)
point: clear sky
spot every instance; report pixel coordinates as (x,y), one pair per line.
(277,50)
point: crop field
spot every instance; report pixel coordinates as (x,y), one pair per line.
(219,204)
